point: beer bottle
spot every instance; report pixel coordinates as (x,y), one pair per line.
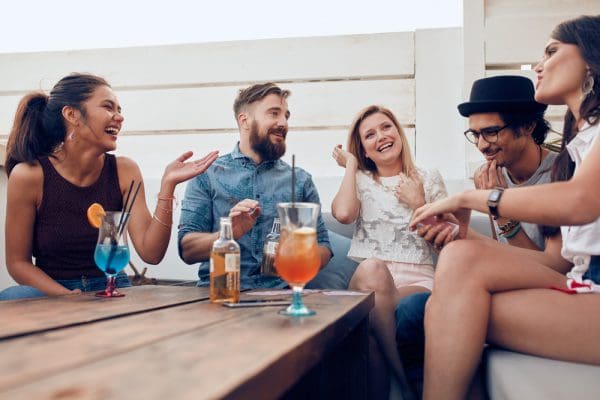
(225,266)
(267,266)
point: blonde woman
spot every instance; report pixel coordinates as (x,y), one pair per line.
(380,189)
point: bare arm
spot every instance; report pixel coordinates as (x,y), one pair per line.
(151,233)
(574,202)
(23,198)
(553,257)
(520,239)
(196,246)
(346,206)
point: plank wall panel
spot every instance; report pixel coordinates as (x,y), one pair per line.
(315,104)
(208,64)
(516,31)
(312,148)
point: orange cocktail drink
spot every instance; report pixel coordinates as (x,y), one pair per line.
(297,259)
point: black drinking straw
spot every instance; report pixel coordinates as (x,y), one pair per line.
(128,211)
(293,179)
(293,211)
(125,203)
(122,221)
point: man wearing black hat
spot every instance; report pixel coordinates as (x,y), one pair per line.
(508,127)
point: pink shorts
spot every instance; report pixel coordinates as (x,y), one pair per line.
(408,274)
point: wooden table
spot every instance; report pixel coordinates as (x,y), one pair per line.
(169,342)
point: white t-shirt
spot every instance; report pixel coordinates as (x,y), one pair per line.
(381,229)
(581,242)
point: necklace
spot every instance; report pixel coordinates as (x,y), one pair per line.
(516,181)
(540,163)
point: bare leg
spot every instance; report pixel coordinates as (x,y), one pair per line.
(565,327)
(457,314)
(373,274)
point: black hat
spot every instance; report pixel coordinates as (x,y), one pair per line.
(501,94)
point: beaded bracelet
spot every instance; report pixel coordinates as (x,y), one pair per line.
(512,233)
(509,226)
(168,226)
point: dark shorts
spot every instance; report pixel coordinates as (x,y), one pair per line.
(593,271)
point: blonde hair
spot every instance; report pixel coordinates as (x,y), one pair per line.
(356,148)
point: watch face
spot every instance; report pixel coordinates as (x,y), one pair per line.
(495,195)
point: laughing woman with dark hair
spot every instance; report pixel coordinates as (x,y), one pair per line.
(58,165)
(515,298)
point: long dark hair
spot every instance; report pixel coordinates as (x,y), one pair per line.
(584,32)
(39,126)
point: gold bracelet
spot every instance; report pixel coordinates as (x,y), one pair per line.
(162,223)
(171,199)
(168,211)
(167,198)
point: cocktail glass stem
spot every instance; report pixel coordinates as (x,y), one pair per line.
(297,308)
(110,290)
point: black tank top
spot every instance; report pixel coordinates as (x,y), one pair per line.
(63,240)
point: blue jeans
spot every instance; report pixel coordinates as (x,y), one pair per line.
(410,337)
(84,284)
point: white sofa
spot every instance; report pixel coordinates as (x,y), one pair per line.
(511,375)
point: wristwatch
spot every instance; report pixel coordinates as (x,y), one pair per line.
(494,200)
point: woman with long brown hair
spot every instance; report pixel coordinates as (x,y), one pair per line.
(59,163)
(515,298)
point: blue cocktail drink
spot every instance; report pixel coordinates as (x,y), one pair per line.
(112,251)
(111,264)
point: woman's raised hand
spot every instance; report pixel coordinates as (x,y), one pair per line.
(410,190)
(181,170)
(343,157)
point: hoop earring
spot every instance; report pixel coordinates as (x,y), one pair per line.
(588,85)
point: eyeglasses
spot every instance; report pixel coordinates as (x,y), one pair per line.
(490,134)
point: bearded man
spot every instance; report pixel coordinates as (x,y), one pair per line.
(246,185)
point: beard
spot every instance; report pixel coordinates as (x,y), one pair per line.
(262,145)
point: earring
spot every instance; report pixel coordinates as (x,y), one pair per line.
(588,85)
(72,135)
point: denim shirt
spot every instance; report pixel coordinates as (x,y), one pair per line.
(231,179)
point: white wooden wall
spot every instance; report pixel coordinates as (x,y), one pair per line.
(502,35)
(180,97)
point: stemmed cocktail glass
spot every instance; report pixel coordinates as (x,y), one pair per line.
(297,259)
(112,250)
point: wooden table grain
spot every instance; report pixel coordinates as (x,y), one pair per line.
(48,313)
(169,343)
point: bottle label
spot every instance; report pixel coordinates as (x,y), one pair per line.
(272,247)
(212,265)
(232,262)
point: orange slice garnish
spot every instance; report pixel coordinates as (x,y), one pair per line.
(95,212)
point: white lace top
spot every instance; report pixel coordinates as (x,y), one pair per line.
(381,229)
(580,243)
